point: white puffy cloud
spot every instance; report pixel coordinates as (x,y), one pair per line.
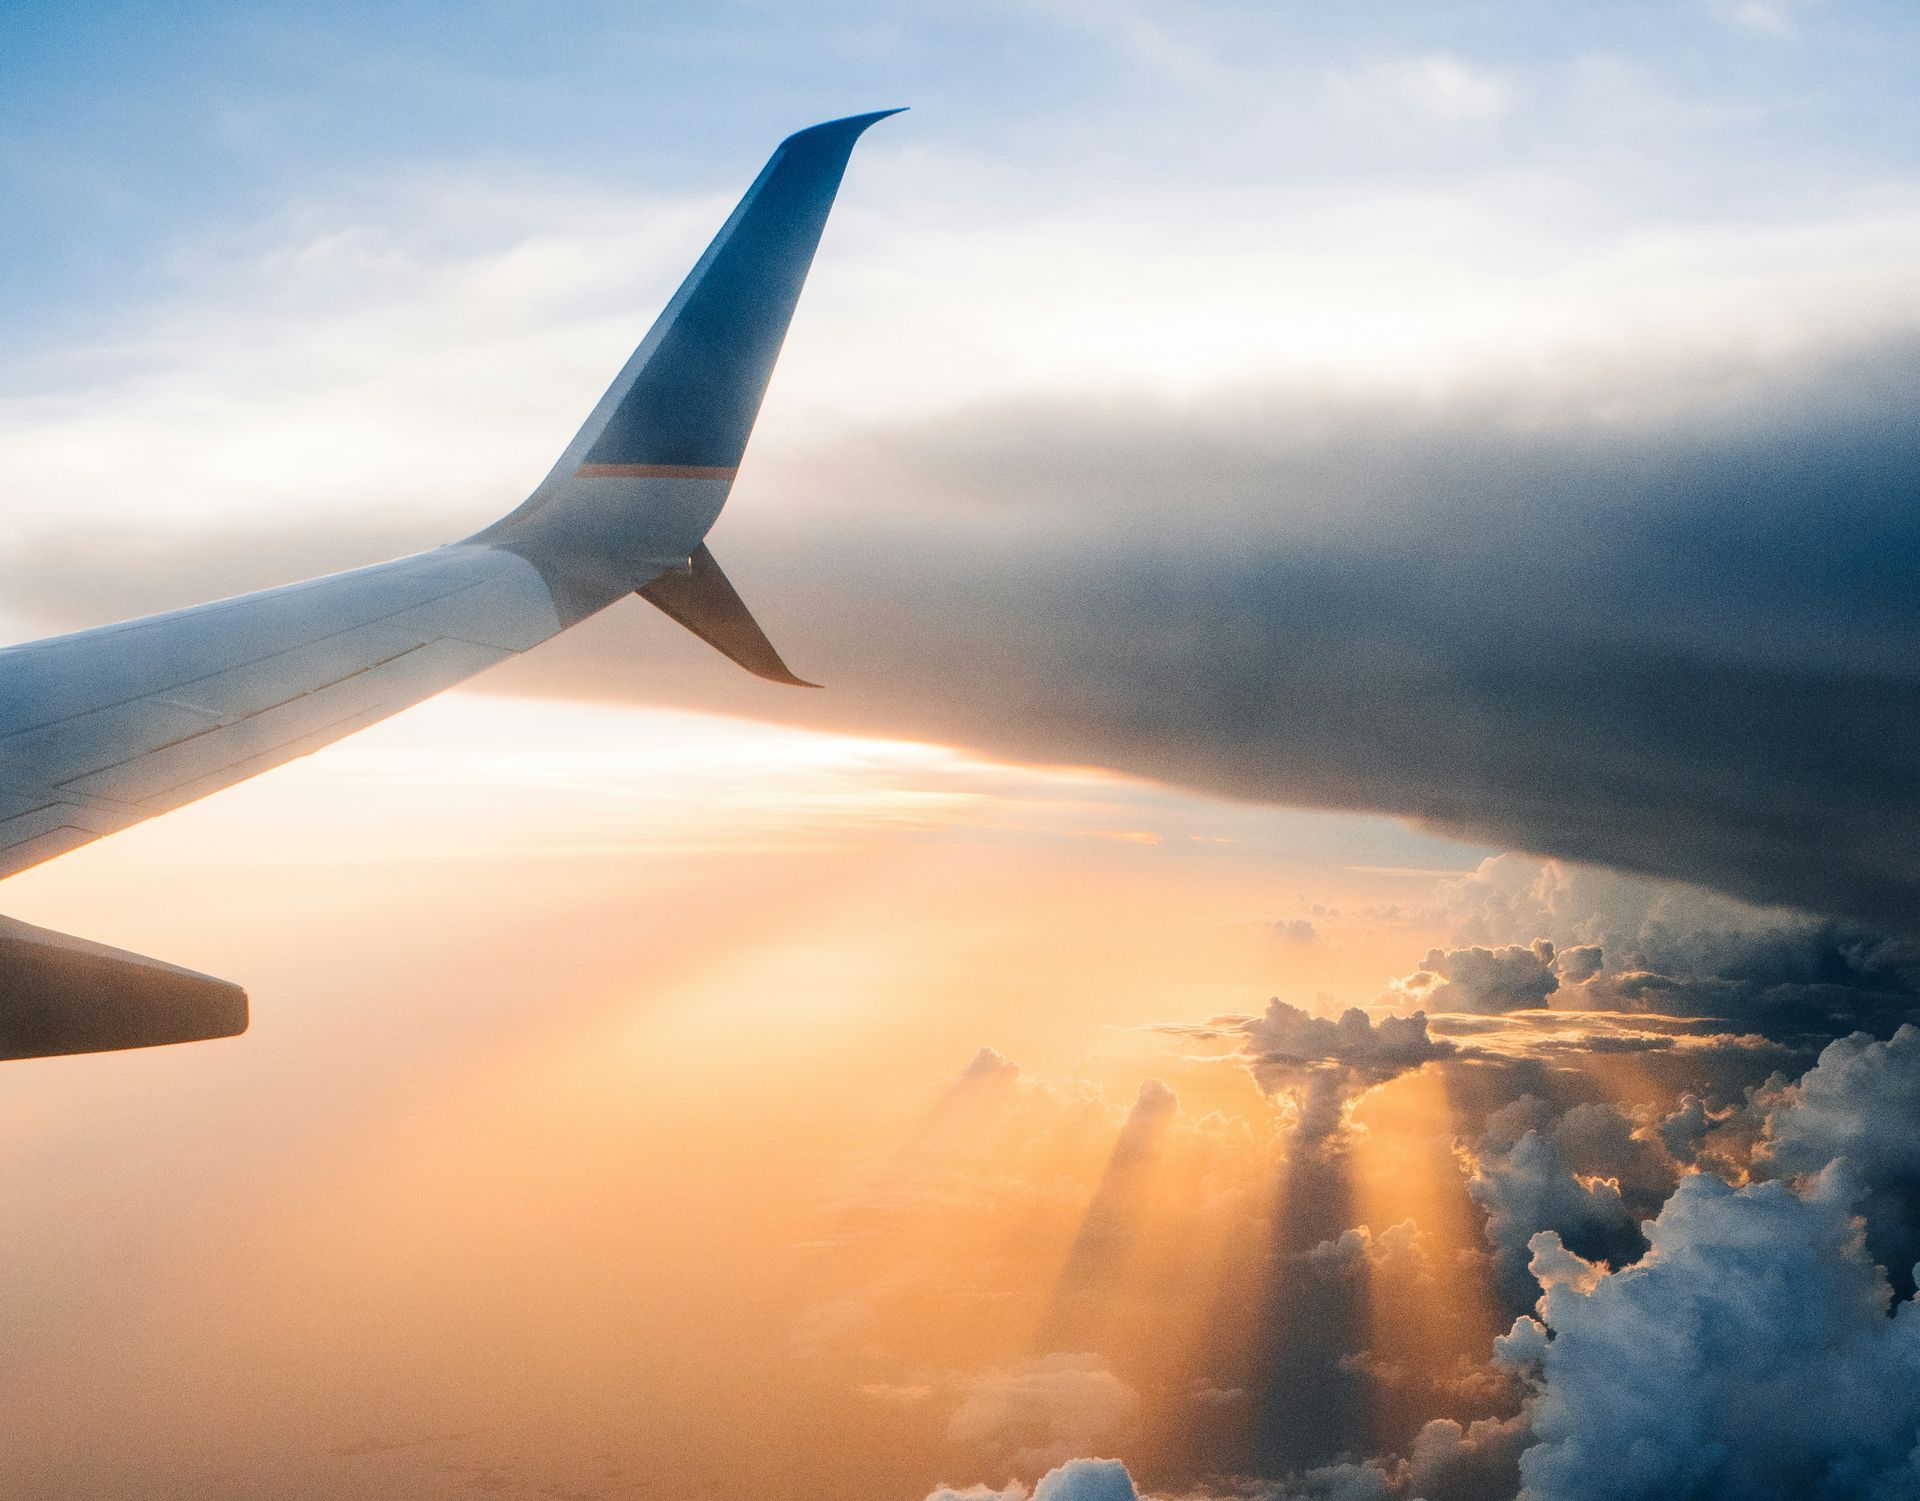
(1858,1108)
(1523,1346)
(1748,1357)
(1684,1130)
(1086,1480)
(1449,1461)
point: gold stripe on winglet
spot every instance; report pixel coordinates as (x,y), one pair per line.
(651,471)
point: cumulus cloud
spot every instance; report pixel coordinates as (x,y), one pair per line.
(1856,1115)
(1321,1064)
(1580,962)
(1508,978)
(1086,1480)
(1599,1139)
(1688,1336)
(1748,1357)
(1525,1179)
(1286,1040)
(1447,1461)
(1685,1129)
(1397,1250)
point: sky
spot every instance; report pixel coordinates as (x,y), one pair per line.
(1344,927)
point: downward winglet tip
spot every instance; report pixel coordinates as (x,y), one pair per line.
(700,598)
(768,667)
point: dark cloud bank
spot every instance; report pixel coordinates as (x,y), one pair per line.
(1660,620)
(1672,630)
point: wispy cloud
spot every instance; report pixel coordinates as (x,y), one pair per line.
(1437,87)
(1779,18)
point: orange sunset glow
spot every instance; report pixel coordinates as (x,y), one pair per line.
(835,1095)
(630,1108)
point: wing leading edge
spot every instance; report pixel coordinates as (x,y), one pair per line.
(104,728)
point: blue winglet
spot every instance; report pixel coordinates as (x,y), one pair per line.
(693,403)
(636,490)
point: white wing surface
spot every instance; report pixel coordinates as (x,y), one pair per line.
(110,726)
(104,728)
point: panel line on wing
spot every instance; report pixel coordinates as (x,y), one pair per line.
(163,692)
(241,719)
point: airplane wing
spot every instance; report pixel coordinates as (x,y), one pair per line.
(104,728)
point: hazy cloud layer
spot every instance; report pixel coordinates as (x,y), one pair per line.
(1672,633)
(1044,1411)
(1681,648)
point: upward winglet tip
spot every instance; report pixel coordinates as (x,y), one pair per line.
(851,125)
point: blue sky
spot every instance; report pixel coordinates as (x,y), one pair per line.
(129,129)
